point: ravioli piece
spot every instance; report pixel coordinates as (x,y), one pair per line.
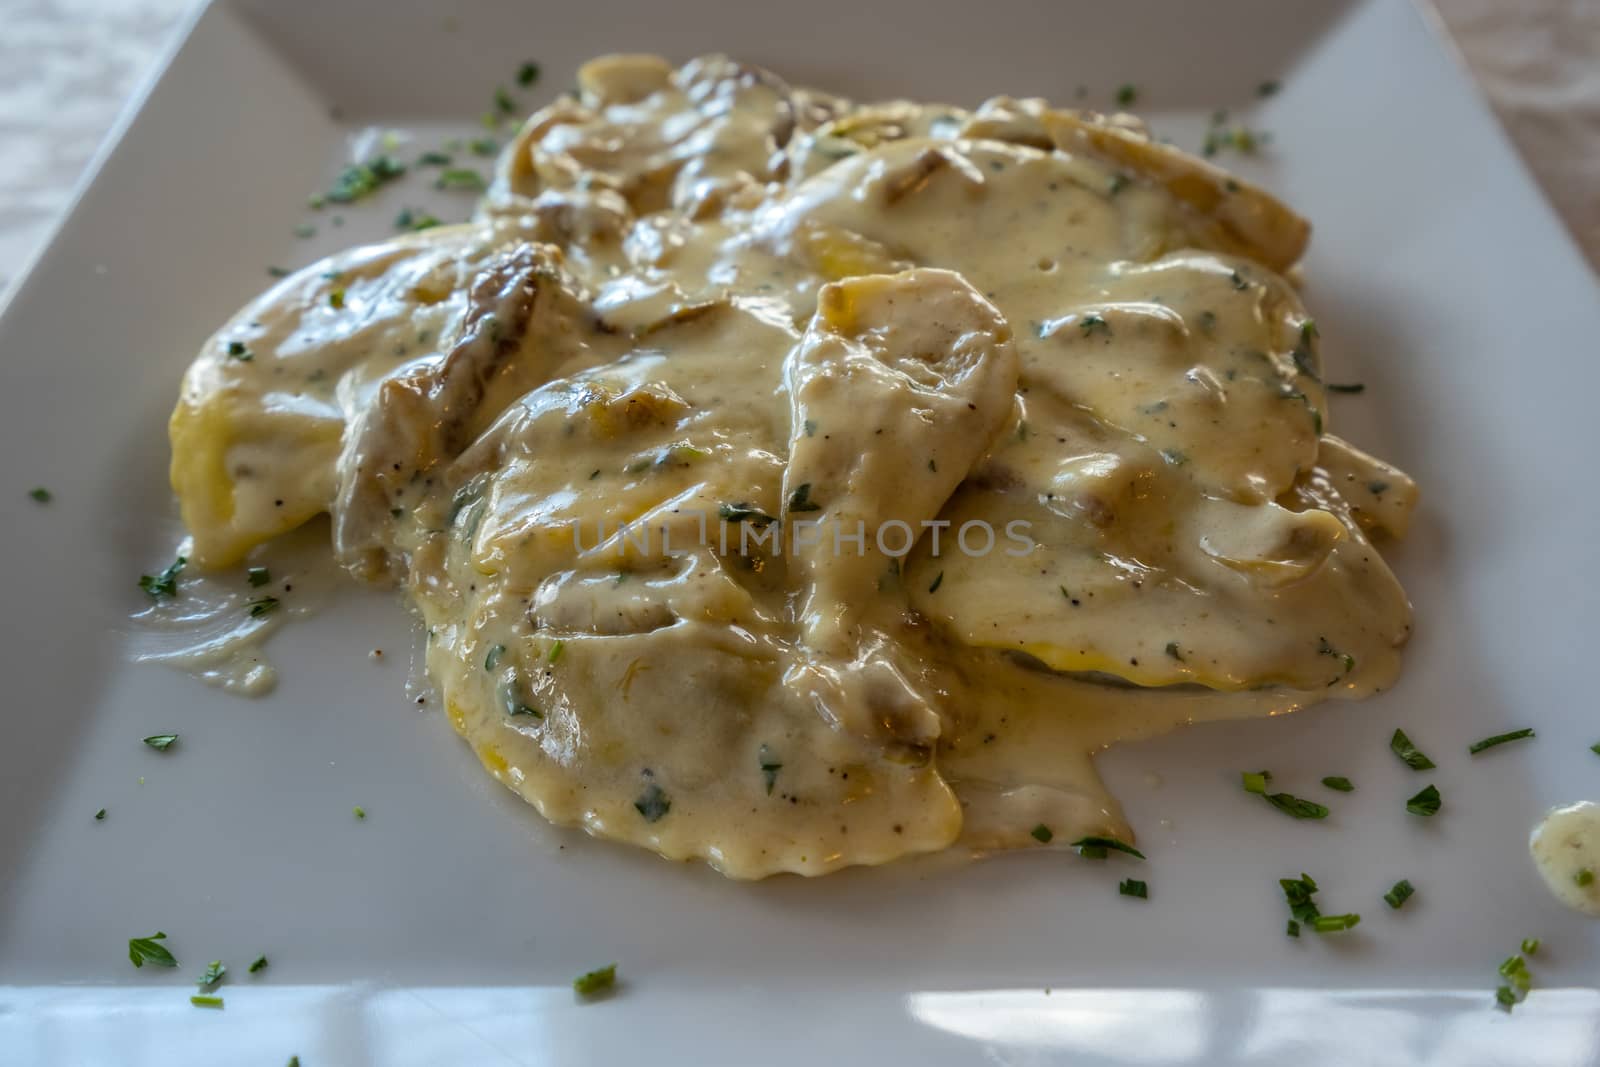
(261,415)
(1133,572)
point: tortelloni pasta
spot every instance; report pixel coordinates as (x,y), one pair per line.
(789,483)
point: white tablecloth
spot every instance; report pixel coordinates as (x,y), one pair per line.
(67,66)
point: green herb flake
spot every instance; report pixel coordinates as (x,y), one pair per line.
(1132,887)
(1425,803)
(937,582)
(237,350)
(1255,781)
(264,606)
(1293,929)
(1093,322)
(483,146)
(492,660)
(503,102)
(1085,845)
(258,576)
(336,299)
(41,495)
(143,950)
(161,742)
(1297,893)
(596,981)
(278,272)
(304,230)
(205,1001)
(415,220)
(556,649)
(1173,652)
(1042,834)
(213,974)
(1505,997)
(1297,807)
(1267,88)
(1399,894)
(1126,95)
(1342,785)
(744,512)
(100,815)
(527,74)
(1409,754)
(360,180)
(1499,739)
(800,499)
(460,178)
(1346,387)
(770,766)
(1530,946)
(164,584)
(1584,878)
(433,159)
(359,812)
(1332,924)
(1595,748)
(258,965)
(653,803)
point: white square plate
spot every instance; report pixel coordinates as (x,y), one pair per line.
(445,928)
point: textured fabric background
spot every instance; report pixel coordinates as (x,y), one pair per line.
(67,66)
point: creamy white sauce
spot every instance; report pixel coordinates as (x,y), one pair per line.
(1565,845)
(215,628)
(701,293)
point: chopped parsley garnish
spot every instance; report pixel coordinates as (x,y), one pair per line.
(40,495)
(143,950)
(1293,929)
(770,766)
(652,803)
(264,606)
(1499,739)
(460,178)
(336,299)
(1097,847)
(1298,892)
(1255,781)
(239,351)
(810,428)
(511,698)
(1172,650)
(161,742)
(1518,981)
(415,220)
(359,812)
(1042,834)
(205,1001)
(800,499)
(1332,924)
(164,584)
(937,582)
(433,159)
(1126,95)
(1399,893)
(1346,387)
(528,73)
(100,815)
(1584,878)
(1505,997)
(1595,748)
(1409,754)
(305,229)
(258,965)
(1132,887)
(1342,785)
(596,981)
(484,146)
(492,660)
(1425,803)
(503,102)
(1530,946)
(1092,322)
(556,649)
(278,272)
(1297,807)
(360,180)
(258,576)
(213,974)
